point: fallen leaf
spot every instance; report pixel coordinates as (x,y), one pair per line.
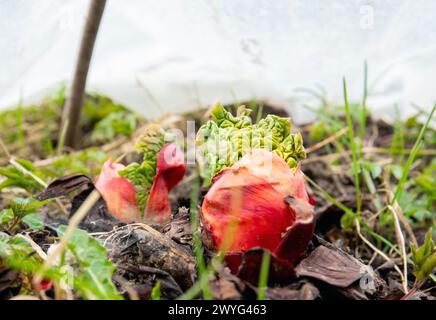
(331,266)
(64,185)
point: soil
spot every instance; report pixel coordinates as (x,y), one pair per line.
(333,268)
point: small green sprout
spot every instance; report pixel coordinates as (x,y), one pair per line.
(424,258)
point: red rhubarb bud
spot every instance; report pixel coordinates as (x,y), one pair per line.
(170,169)
(259,202)
(118,193)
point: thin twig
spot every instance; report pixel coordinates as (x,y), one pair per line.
(405,223)
(402,245)
(379,252)
(401,217)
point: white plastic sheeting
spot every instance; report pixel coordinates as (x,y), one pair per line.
(173,55)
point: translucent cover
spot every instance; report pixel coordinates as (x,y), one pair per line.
(174,56)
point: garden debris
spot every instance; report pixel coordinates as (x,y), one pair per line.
(331,266)
(180,228)
(142,280)
(140,245)
(157,261)
(226,286)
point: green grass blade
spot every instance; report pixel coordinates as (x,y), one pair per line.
(263,275)
(197,245)
(353,148)
(155,292)
(417,146)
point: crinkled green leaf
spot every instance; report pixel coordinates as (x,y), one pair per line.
(93,277)
(226,138)
(142,175)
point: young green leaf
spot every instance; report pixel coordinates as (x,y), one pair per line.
(6,216)
(24,206)
(16,253)
(33,221)
(18,179)
(93,276)
(4,237)
(424,257)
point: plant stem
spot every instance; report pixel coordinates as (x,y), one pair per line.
(418,284)
(73,106)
